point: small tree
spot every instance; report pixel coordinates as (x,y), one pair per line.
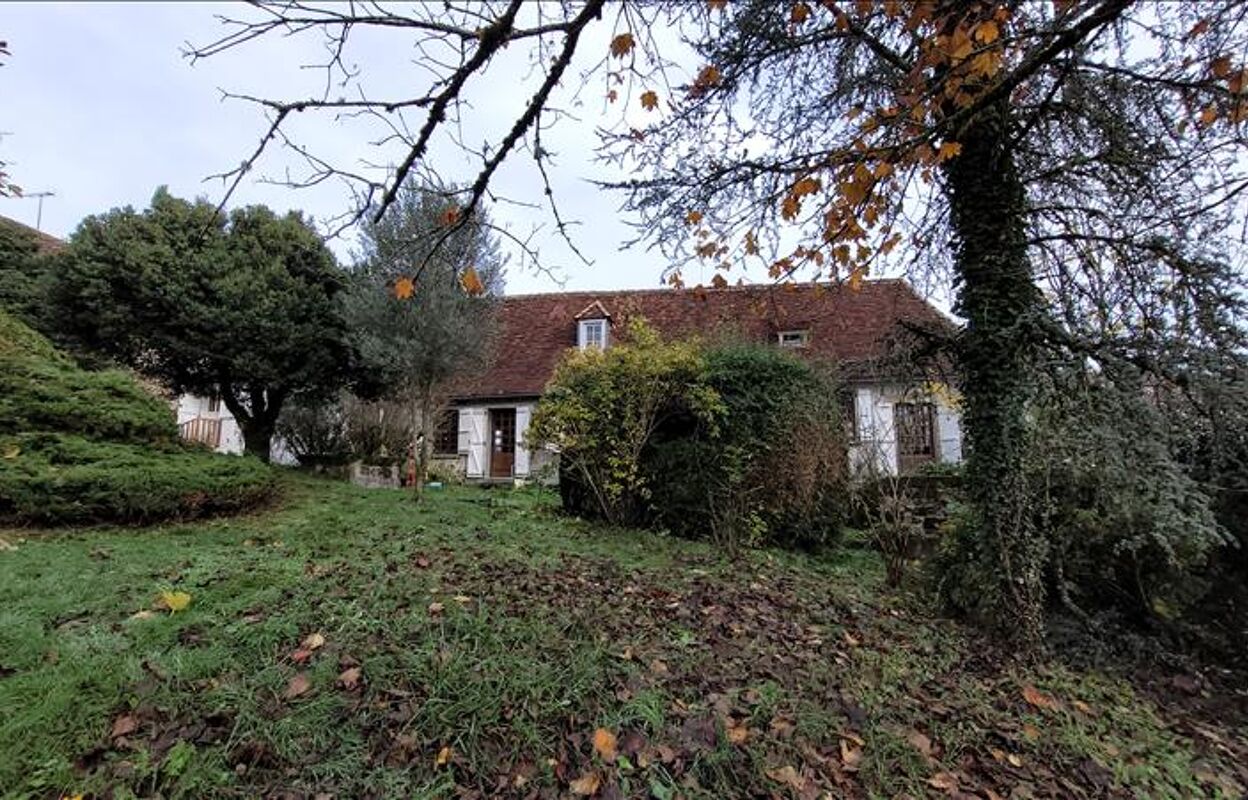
(422,315)
(241,306)
(602,408)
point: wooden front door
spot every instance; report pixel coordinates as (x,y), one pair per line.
(502,442)
(916,435)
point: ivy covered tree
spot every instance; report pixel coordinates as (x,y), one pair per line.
(242,306)
(1059,165)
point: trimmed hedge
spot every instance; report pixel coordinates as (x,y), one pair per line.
(85,447)
(58,479)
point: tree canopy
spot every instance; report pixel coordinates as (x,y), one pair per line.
(242,306)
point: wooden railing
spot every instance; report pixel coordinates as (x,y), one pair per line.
(204,430)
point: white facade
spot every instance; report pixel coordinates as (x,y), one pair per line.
(198,417)
(875,443)
(477,442)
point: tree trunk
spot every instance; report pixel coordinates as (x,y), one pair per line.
(426,437)
(257,438)
(998,298)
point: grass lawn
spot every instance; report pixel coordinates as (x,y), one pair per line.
(352,644)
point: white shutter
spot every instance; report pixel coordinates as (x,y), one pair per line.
(949,433)
(472,422)
(523,414)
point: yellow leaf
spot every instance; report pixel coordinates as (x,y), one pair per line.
(471,282)
(174,601)
(404,288)
(604,744)
(948,150)
(621,45)
(945,781)
(443,757)
(313,641)
(586,785)
(11,451)
(649,100)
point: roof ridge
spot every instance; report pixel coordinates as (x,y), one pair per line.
(709,289)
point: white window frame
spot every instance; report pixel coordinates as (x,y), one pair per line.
(793,338)
(583,338)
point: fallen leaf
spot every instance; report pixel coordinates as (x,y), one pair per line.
(1031,732)
(299,685)
(1038,698)
(945,781)
(423,562)
(301,656)
(144,614)
(349,679)
(123,725)
(851,755)
(462,599)
(443,757)
(586,785)
(313,641)
(788,776)
(737,732)
(173,601)
(1082,707)
(921,742)
(605,744)
(436,608)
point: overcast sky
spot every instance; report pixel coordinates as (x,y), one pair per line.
(98,106)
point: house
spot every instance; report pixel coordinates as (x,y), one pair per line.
(900,419)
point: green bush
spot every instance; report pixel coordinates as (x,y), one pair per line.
(58,479)
(739,444)
(772,471)
(84,447)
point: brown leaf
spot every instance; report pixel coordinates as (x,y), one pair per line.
(443,757)
(945,781)
(851,755)
(586,785)
(299,685)
(423,562)
(622,45)
(605,745)
(788,776)
(349,679)
(738,732)
(649,100)
(301,656)
(124,725)
(404,288)
(1038,698)
(921,742)
(471,282)
(450,216)
(313,641)
(436,608)
(799,13)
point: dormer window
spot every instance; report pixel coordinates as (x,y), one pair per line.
(794,338)
(592,333)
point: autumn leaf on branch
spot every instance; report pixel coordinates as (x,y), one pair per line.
(450,216)
(622,45)
(649,100)
(471,282)
(404,288)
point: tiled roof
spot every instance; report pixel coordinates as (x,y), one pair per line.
(846,326)
(46,242)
